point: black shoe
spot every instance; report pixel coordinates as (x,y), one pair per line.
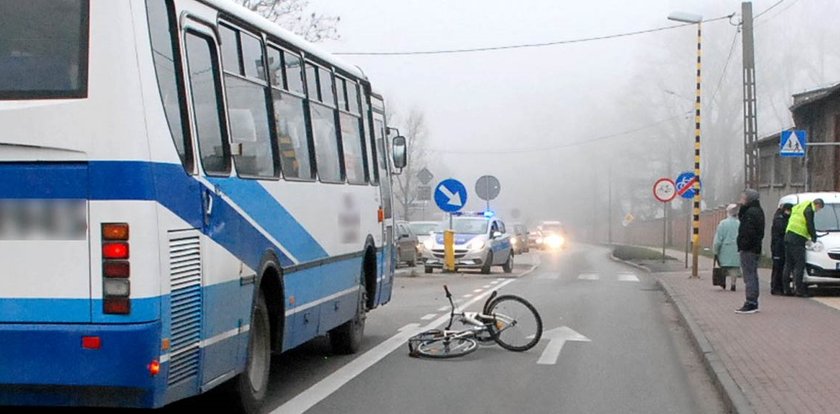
(775,293)
(748,308)
(732,288)
(803,295)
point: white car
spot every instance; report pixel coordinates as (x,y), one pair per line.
(823,257)
(480,243)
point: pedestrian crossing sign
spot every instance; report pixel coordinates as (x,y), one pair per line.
(793,143)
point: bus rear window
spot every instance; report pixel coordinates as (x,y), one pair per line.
(43,49)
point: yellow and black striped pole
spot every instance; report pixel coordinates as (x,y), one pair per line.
(695,225)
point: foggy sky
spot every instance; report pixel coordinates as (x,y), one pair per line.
(534,98)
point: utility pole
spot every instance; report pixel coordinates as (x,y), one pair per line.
(750,110)
(609,209)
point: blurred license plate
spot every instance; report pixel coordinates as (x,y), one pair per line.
(43,219)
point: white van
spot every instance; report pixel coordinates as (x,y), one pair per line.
(823,257)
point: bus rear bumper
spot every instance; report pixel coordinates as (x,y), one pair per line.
(47,365)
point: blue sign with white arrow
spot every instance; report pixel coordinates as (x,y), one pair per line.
(685,184)
(450,195)
(793,143)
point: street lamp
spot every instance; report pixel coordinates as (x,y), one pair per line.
(695,227)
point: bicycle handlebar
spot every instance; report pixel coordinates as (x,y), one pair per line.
(448,295)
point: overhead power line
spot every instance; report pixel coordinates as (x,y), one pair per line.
(768,9)
(526,45)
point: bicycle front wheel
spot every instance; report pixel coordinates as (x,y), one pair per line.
(518,325)
(446,347)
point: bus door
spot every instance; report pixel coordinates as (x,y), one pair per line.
(219,301)
(388,262)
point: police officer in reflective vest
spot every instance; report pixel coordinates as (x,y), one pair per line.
(800,230)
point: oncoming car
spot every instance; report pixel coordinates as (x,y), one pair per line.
(480,243)
(553,235)
(822,265)
(424,230)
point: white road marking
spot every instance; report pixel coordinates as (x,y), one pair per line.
(330,384)
(485,287)
(501,279)
(557,337)
(428,317)
(468,295)
(443,308)
(589,276)
(627,277)
(548,276)
(494,282)
(477,290)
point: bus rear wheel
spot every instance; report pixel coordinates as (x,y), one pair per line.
(250,387)
(347,338)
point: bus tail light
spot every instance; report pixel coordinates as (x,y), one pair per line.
(91,342)
(116,269)
(117,250)
(154,367)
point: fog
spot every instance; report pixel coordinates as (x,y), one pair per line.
(557,125)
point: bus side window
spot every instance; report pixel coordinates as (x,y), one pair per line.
(290,116)
(247,95)
(324,133)
(168,71)
(370,143)
(351,137)
(206,100)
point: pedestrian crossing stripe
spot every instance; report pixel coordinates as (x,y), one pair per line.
(548,276)
(627,277)
(589,276)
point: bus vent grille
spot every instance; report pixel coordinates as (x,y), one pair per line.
(185,304)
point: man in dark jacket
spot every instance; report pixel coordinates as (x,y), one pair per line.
(800,230)
(750,236)
(777,249)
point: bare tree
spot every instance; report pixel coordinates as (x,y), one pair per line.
(413,127)
(294,15)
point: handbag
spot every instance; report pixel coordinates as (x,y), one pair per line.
(718,275)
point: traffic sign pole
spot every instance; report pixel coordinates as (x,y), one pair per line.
(695,228)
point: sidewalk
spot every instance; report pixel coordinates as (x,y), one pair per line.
(784,359)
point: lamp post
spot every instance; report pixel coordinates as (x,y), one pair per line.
(695,227)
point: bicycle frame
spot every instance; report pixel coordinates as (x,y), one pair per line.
(480,321)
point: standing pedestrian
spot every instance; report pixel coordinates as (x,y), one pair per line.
(750,236)
(777,249)
(726,244)
(800,230)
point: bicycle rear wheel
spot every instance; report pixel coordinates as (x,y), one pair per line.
(442,346)
(518,324)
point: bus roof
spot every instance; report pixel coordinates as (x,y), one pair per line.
(269,27)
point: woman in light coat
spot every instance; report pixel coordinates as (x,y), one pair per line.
(726,244)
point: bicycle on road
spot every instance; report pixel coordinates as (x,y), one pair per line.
(509,320)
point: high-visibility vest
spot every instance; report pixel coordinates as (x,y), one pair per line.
(797,223)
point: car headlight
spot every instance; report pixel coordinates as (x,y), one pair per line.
(429,244)
(514,241)
(554,241)
(476,245)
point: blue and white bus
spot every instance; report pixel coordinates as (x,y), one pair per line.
(185,188)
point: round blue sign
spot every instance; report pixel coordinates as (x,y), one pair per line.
(685,184)
(450,195)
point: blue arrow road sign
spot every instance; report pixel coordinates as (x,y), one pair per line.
(685,184)
(450,195)
(793,143)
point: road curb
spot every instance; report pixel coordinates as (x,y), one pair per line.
(629,263)
(734,398)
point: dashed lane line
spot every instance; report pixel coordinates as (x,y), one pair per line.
(429,316)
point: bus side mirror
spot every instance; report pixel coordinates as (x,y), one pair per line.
(400,153)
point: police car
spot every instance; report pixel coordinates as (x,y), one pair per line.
(481,241)
(823,257)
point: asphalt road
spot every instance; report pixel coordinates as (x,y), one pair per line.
(637,360)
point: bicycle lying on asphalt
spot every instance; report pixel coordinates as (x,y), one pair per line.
(509,320)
